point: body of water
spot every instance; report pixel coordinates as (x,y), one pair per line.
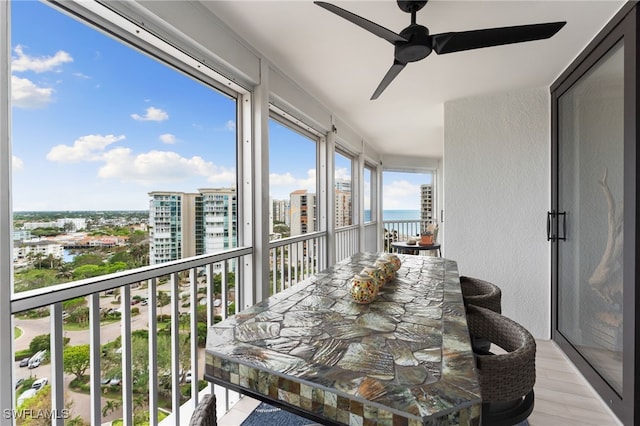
(401,215)
(395,215)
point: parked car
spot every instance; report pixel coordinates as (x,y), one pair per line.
(187,378)
(19,382)
(40,383)
(35,363)
(115,381)
(104,382)
(24,362)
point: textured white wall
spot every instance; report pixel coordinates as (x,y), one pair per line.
(496,195)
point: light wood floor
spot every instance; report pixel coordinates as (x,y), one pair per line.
(563,396)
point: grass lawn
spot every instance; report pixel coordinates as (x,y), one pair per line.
(17,332)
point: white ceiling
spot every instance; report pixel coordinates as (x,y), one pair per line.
(341,64)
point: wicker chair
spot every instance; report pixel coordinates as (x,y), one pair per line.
(205,412)
(485,294)
(481,293)
(506,379)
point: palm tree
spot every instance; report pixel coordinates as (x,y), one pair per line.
(110,406)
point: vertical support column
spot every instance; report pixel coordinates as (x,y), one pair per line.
(95,353)
(57,365)
(6,245)
(358,205)
(326,157)
(175,347)
(152,306)
(125,340)
(195,373)
(377,205)
(260,187)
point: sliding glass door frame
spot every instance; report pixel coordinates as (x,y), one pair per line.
(624,26)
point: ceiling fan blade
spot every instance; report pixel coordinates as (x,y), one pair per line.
(388,78)
(476,39)
(372,27)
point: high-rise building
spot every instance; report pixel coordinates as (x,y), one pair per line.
(303,212)
(342,208)
(426,203)
(188,224)
(219,219)
(281,212)
(343,204)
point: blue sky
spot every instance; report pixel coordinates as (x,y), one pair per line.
(97,125)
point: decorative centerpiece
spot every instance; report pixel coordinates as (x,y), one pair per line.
(394,259)
(377,274)
(387,267)
(362,289)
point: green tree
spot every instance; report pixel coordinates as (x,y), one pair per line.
(87,271)
(40,342)
(163,298)
(87,259)
(76,360)
(71,304)
(110,406)
(122,256)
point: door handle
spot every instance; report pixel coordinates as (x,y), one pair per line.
(551,236)
(564,226)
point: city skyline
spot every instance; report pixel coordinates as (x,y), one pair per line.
(89,134)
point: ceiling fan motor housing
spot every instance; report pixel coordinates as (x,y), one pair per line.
(417,47)
(411,6)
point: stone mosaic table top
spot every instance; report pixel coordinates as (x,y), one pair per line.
(405,358)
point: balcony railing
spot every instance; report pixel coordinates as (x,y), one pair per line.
(294,259)
(401,230)
(186,281)
(190,278)
(347,241)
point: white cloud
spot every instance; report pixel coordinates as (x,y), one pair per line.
(342,173)
(81,75)
(23,62)
(401,195)
(85,148)
(25,94)
(152,114)
(230,125)
(17,163)
(284,184)
(168,138)
(156,167)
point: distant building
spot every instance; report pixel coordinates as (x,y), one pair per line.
(35,225)
(189,224)
(219,219)
(74,224)
(426,203)
(23,251)
(21,234)
(303,212)
(281,211)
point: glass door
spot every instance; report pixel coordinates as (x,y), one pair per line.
(590,190)
(592,220)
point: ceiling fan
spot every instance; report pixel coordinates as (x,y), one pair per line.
(415,43)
